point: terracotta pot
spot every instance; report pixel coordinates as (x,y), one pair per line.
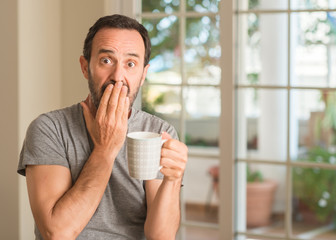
(259,202)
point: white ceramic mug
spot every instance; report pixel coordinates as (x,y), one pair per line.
(144,153)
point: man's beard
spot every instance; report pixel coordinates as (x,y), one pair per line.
(96,94)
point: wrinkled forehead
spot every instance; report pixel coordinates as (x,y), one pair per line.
(119,40)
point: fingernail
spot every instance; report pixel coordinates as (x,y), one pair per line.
(119,84)
(110,86)
(124,89)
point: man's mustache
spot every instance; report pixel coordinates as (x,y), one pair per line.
(113,82)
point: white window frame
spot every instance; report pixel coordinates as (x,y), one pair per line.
(183,14)
(225,154)
(288,163)
(227,139)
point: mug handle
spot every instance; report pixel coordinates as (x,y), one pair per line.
(162,142)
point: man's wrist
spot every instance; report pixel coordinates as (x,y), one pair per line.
(104,153)
(175,182)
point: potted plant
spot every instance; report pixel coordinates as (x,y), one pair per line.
(259,199)
(259,196)
(314,189)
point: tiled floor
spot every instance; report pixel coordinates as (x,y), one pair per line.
(196,212)
(193,233)
(200,213)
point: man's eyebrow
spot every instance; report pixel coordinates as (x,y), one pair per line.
(112,52)
(133,55)
(105,51)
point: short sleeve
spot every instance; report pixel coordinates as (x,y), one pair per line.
(43,145)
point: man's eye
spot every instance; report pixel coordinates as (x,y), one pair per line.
(106,61)
(131,64)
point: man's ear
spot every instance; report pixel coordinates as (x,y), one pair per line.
(144,74)
(84,66)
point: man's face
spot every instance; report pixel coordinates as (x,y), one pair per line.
(116,55)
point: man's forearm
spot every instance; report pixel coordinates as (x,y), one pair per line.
(107,127)
(163,217)
(71,213)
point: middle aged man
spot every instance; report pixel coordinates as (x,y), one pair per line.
(75,158)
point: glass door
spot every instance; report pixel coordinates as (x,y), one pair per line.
(183,87)
(286,125)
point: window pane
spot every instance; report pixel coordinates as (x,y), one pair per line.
(263,52)
(262,4)
(202,114)
(202,5)
(165,56)
(163,102)
(312,4)
(202,50)
(262,124)
(261,200)
(166,6)
(313,126)
(314,203)
(314,49)
(200,194)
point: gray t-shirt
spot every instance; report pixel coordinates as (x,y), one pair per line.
(60,138)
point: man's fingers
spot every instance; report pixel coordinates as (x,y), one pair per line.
(126,110)
(173,164)
(175,145)
(121,103)
(104,102)
(174,157)
(165,135)
(114,98)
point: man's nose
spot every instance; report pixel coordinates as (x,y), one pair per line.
(118,73)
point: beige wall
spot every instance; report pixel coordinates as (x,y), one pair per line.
(39,78)
(8,120)
(77,17)
(39,72)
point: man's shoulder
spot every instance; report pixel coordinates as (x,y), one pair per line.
(145,116)
(73,111)
(52,137)
(57,117)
